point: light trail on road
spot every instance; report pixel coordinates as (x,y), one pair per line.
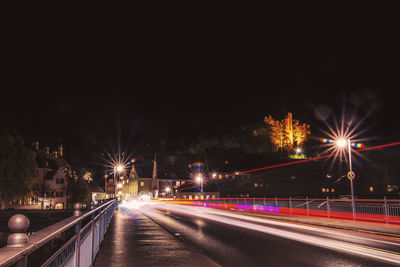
(359,245)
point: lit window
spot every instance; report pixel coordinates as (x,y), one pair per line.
(141,183)
(333,190)
(261,185)
(371,189)
(327,190)
(323,189)
(255,184)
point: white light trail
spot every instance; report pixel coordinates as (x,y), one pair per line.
(359,250)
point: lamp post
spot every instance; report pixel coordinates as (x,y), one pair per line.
(342,143)
(199,179)
(117,169)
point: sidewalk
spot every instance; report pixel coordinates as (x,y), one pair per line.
(132,239)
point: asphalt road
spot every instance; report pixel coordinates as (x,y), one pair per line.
(232,239)
(176,235)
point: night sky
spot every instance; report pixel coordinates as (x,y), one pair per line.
(85,75)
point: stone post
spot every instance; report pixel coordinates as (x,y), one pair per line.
(18,224)
(77,209)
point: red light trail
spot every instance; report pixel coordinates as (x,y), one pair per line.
(297,162)
(317,158)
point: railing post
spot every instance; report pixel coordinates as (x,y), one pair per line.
(328,208)
(92,230)
(276,201)
(18,224)
(77,212)
(307,207)
(77,243)
(264,201)
(77,209)
(290,205)
(386,210)
(254,203)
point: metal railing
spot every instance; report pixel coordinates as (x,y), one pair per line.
(74,241)
(383,210)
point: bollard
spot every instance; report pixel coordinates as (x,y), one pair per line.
(18,224)
(386,209)
(328,207)
(77,209)
(307,206)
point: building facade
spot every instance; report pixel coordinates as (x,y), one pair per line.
(50,183)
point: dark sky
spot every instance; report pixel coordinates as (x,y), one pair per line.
(87,71)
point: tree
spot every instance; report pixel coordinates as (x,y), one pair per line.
(287,133)
(17,167)
(77,190)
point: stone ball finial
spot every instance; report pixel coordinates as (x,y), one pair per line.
(18,224)
(77,209)
(77,206)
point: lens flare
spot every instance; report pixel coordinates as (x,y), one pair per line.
(198,165)
(341,134)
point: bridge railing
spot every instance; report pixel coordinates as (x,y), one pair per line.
(74,241)
(378,210)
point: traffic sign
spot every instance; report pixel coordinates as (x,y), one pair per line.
(351,175)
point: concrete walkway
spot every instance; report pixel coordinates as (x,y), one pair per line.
(132,239)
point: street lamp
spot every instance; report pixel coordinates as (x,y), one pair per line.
(342,143)
(199,179)
(119,168)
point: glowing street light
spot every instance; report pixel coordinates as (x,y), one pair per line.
(118,168)
(214,175)
(199,179)
(342,144)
